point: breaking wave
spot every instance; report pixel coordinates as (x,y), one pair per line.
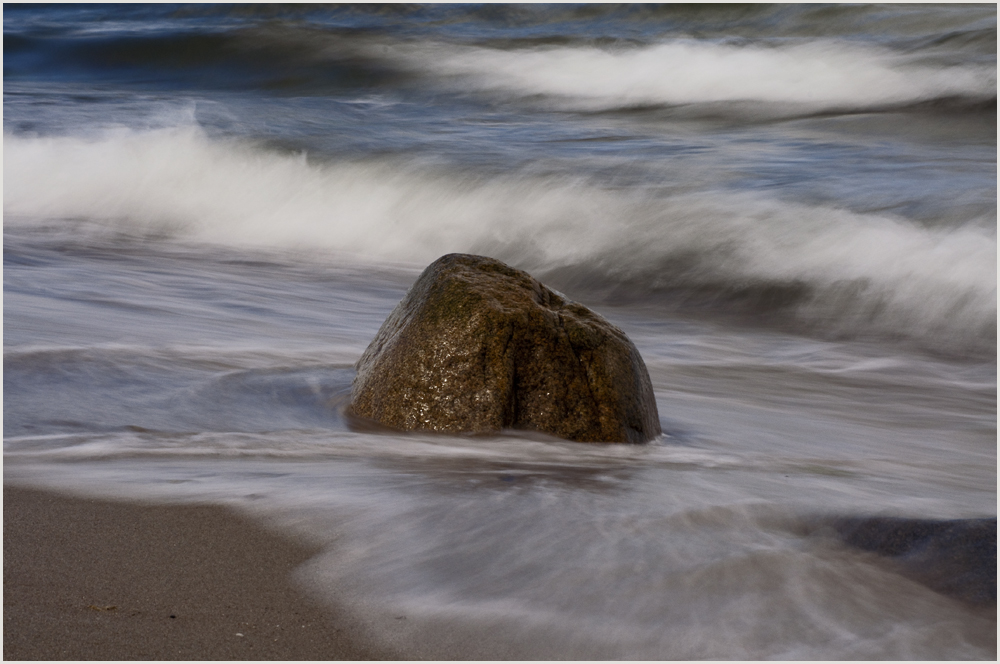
(833,270)
(811,59)
(808,76)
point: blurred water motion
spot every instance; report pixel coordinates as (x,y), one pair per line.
(790,209)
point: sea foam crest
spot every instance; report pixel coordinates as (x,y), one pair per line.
(855,270)
(815,75)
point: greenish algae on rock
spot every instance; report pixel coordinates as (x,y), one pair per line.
(478,346)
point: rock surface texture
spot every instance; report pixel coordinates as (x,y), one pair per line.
(956,557)
(478,346)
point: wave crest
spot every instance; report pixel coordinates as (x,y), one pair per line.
(819,75)
(834,270)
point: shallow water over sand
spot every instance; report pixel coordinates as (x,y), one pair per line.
(196,253)
(228,385)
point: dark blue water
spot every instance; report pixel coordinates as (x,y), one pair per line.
(790,209)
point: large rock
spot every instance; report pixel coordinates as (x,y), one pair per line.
(478,346)
(956,557)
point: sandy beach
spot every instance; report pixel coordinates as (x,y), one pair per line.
(89,579)
(211,212)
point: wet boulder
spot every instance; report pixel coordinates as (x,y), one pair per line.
(956,557)
(478,346)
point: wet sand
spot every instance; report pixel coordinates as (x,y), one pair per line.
(90,579)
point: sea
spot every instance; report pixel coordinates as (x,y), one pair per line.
(209,210)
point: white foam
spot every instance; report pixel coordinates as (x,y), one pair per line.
(817,74)
(661,565)
(863,268)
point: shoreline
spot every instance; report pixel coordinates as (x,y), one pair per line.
(101,579)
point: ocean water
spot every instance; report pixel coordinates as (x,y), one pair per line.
(791,211)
